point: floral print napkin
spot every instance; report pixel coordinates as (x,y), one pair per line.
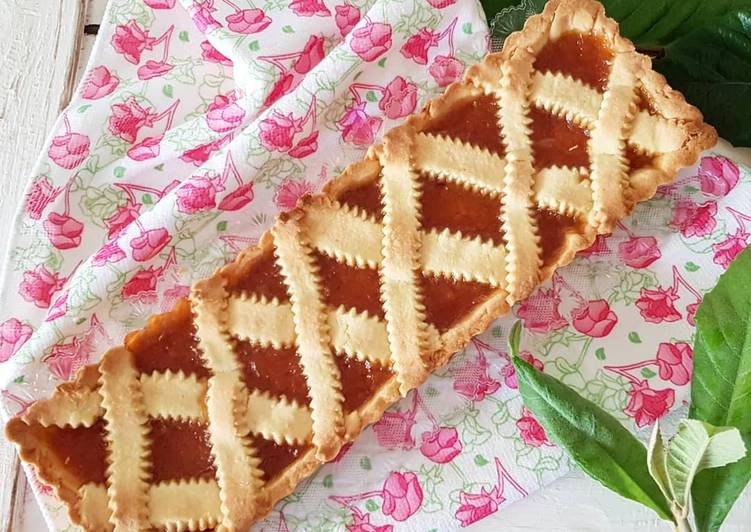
(197,122)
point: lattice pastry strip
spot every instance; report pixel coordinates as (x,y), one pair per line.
(377,217)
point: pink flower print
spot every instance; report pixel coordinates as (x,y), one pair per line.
(69,149)
(171,295)
(149,243)
(394,430)
(201,153)
(676,361)
(693,219)
(201,13)
(128,118)
(402,495)
(656,306)
(718,175)
(639,251)
(728,249)
(540,312)
(362,523)
(198,194)
(283,85)
(509,371)
(13,334)
(38,285)
(248,21)
(446,69)
(153,69)
(160,4)
(39,196)
(530,430)
(224,114)
(341,454)
(290,191)
(278,131)
(305,146)
(594,318)
(310,56)
(441,445)
(371,41)
(110,252)
(238,198)
(347,16)
(358,127)
(472,380)
(417,46)
(646,405)
(130,41)
(65,359)
(147,149)
(440,4)
(122,218)
(399,98)
(63,230)
(59,307)
(476,506)
(309,8)
(598,248)
(142,285)
(691,313)
(212,55)
(99,83)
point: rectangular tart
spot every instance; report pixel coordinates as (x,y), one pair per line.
(215,410)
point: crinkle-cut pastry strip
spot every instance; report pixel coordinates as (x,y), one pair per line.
(285,354)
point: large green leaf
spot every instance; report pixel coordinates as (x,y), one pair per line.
(721,386)
(596,441)
(702,47)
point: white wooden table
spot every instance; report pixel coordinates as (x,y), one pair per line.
(44,46)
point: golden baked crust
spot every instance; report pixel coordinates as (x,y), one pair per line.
(634,110)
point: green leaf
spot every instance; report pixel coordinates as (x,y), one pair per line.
(647,373)
(691,266)
(146,199)
(365,463)
(657,461)
(702,47)
(19,379)
(596,441)
(254,46)
(221,226)
(480,460)
(371,505)
(183,36)
(288,29)
(467,28)
(382,62)
(371,96)
(328,481)
(83,108)
(634,337)
(118,171)
(168,90)
(721,386)
(600,353)
(696,446)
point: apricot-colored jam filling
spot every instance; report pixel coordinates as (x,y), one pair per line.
(447,301)
(552,228)
(644,102)
(452,206)
(82,450)
(360,379)
(556,141)
(274,457)
(584,57)
(474,122)
(169,345)
(636,159)
(262,278)
(277,371)
(352,287)
(367,197)
(179,450)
